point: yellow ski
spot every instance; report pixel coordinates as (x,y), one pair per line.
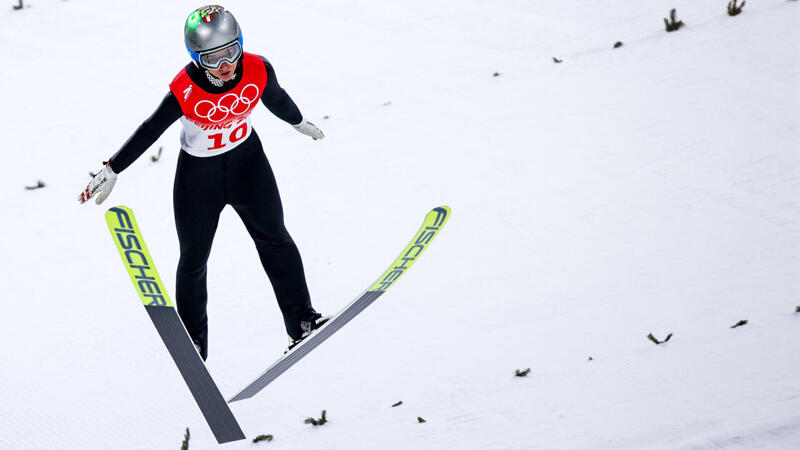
(431,226)
(136,258)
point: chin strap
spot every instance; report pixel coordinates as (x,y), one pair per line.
(216,81)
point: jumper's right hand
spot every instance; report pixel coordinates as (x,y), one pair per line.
(100,186)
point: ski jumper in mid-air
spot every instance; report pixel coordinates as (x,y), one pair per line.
(222,163)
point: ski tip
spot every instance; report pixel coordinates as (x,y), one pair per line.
(120,216)
(438,216)
(117,210)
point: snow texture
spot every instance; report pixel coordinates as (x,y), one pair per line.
(651,188)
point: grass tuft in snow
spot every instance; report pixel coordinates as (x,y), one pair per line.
(39,185)
(739,324)
(618,44)
(557,61)
(186,437)
(733,9)
(797,309)
(397,404)
(316,422)
(157,156)
(421,420)
(656,341)
(522,373)
(672,24)
(262,437)
(590,359)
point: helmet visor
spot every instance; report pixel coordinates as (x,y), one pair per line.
(214,58)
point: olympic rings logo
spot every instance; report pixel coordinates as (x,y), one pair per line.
(228,104)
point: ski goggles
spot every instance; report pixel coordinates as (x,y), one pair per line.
(215,58)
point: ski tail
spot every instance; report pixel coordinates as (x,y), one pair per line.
(142,271)
(431,226)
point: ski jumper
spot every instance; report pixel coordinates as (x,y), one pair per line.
(223,163)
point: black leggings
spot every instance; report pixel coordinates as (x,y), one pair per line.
(243,179)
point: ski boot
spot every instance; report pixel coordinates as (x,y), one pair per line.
(308,327)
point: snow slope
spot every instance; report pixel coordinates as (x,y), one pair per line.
(650,188)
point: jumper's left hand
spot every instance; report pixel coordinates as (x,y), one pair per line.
(309,129)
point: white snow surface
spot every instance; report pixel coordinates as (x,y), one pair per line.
(650,188)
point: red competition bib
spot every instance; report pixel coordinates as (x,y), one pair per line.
(216,123)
